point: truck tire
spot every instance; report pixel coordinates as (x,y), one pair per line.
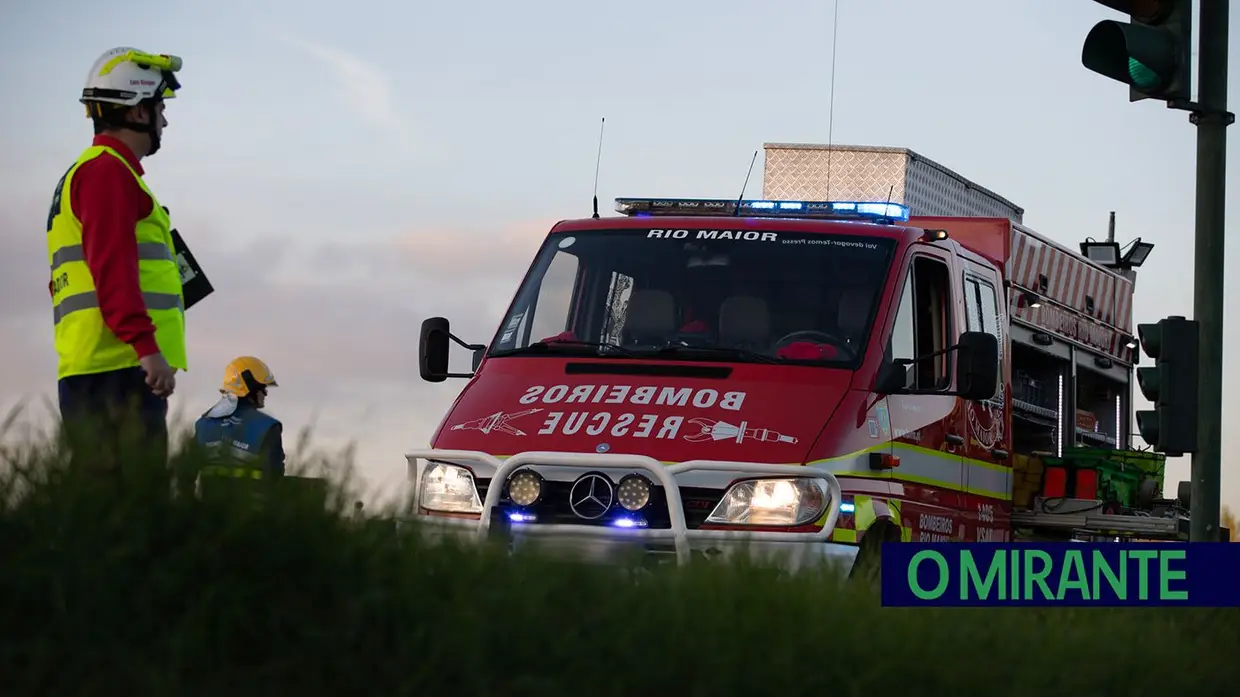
(867,568)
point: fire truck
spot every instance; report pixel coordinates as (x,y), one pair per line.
(799,379)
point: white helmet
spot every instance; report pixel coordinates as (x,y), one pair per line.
(126,76)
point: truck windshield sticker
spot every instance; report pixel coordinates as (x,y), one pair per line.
(627,394)
(511,329)
(825,241)
(739,235)
(758,236)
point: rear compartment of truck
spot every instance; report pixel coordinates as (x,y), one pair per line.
(1075,474)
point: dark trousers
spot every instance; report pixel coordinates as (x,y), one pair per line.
(113,421)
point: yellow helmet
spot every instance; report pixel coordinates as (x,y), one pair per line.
(246,374)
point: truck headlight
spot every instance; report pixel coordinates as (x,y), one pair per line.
(449,489)
(786,502)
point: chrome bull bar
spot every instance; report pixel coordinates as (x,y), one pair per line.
(665,475)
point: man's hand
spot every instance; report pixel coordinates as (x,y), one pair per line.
(160,376)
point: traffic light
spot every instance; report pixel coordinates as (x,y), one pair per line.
(1171,427)
(1151,53)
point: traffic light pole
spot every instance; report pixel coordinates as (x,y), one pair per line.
(1211,117)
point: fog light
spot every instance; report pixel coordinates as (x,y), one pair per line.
(634,492)
(524,488)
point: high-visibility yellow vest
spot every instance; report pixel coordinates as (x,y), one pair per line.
(84,343)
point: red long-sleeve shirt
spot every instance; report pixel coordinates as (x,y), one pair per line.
(106,197)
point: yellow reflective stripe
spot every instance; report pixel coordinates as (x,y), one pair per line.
(147,251)
(863,512)
(920,465)
(844,536)
(90,301)
(989,479)
(937,468)
(232,472)
(112,63)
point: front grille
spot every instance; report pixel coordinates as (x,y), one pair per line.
(553,506)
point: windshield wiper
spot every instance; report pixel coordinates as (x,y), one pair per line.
(557,346)
(719,351)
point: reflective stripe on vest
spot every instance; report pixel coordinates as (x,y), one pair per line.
(232,472)
(83,341)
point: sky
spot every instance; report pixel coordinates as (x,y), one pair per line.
(344,170)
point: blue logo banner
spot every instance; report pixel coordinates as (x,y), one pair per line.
(1202,574)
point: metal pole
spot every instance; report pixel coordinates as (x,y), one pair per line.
(1111,228)
(1211,120)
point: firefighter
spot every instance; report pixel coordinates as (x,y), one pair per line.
(242,441)
(117,300)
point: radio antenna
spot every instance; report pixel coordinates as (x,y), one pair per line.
(737,212)
(890,190)
(598,161)
(835,32)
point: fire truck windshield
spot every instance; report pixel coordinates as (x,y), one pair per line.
(702,295)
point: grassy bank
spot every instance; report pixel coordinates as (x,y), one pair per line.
(110,586)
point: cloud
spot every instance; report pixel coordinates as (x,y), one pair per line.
(338,323)
(361,86)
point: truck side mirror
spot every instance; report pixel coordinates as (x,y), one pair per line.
(433,349)
(977,366)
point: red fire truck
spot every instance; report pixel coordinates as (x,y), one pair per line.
(807,378)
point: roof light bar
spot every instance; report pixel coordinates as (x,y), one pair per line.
(838,210)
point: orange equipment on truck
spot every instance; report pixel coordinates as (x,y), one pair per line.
(798,376)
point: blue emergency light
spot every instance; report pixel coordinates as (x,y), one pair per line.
(824,210)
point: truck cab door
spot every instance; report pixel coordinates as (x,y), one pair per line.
(928,423)
(987,451)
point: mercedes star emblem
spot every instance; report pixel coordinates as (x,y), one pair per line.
(591,496)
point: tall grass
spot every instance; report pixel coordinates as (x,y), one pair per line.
(115,586)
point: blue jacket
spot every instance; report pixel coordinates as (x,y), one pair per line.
(244,432)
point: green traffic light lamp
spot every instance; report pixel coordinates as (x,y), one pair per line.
(1150,53)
